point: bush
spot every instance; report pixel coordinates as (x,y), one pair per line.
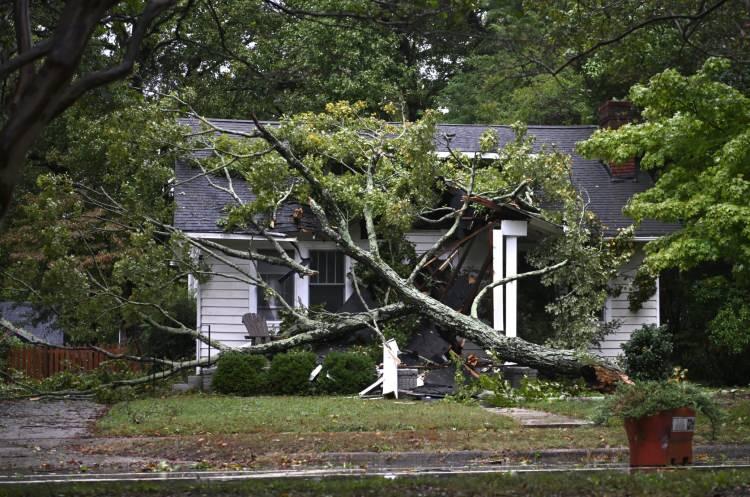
(290,372)
(240,374)
(346,373)
(648,398)
(648,353)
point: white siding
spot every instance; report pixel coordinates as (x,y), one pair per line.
(423,240)
(222,301)
(617,308)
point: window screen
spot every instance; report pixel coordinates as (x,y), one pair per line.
(328,286)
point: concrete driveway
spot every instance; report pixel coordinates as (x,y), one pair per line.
(36,434)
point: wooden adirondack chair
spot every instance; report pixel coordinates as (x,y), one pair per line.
(257,328)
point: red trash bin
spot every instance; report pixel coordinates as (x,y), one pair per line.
(648,438)
(680,449)
(662,439)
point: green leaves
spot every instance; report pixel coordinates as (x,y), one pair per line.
(78,260)
(696,141)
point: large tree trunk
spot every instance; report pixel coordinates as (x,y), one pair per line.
(562,361)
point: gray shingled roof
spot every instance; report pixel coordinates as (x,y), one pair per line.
(199,206)
(26,317)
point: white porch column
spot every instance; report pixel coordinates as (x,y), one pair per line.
(348,285)
(498,302)
(301,285)
(511,230)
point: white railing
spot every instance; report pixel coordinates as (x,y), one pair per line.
(273,327)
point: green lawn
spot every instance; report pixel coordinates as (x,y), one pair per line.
(734,430)
(200,414)
(597,484)
(228,432)
(261,431)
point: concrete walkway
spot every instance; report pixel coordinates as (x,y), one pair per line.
(531,418)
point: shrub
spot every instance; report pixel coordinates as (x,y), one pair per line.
(648,353)
(647,398)
(290,372)
(240,374)
(346,372)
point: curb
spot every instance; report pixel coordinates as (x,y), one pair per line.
(471,458)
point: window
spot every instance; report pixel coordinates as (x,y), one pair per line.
(328,286)
(281,279)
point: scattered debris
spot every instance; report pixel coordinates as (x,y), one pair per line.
(315,372)
(390,368)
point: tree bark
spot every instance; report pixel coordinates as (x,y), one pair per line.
(561,361)
(45,93)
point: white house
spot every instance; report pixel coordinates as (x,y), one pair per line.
(224,299)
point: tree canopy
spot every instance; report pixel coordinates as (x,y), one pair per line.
(695,141)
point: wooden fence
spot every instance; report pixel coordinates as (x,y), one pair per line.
(40,361)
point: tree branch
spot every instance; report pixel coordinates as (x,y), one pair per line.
(503,281)
(632,29)
(427,256)
(39,50)
(98,78)
(23,42)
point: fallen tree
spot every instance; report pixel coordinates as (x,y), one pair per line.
(372,160)
(346,171)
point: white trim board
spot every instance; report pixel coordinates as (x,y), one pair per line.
(238,236)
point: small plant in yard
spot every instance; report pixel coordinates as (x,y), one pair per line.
(469,390)
(240,374)
(289,373)
(534,389)
(346,373)
(648,353)
(648,398)
(495,390)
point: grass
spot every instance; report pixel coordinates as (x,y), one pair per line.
(265,431)
(612,484)
(237,432)
(201,414)
(735,429)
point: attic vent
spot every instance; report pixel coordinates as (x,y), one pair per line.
(612,115)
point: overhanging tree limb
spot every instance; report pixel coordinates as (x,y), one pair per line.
(47,91)
(515,277)
(513,349)
(637,27)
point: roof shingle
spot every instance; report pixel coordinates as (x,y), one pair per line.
(200,207)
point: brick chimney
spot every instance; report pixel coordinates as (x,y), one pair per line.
(612,115)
